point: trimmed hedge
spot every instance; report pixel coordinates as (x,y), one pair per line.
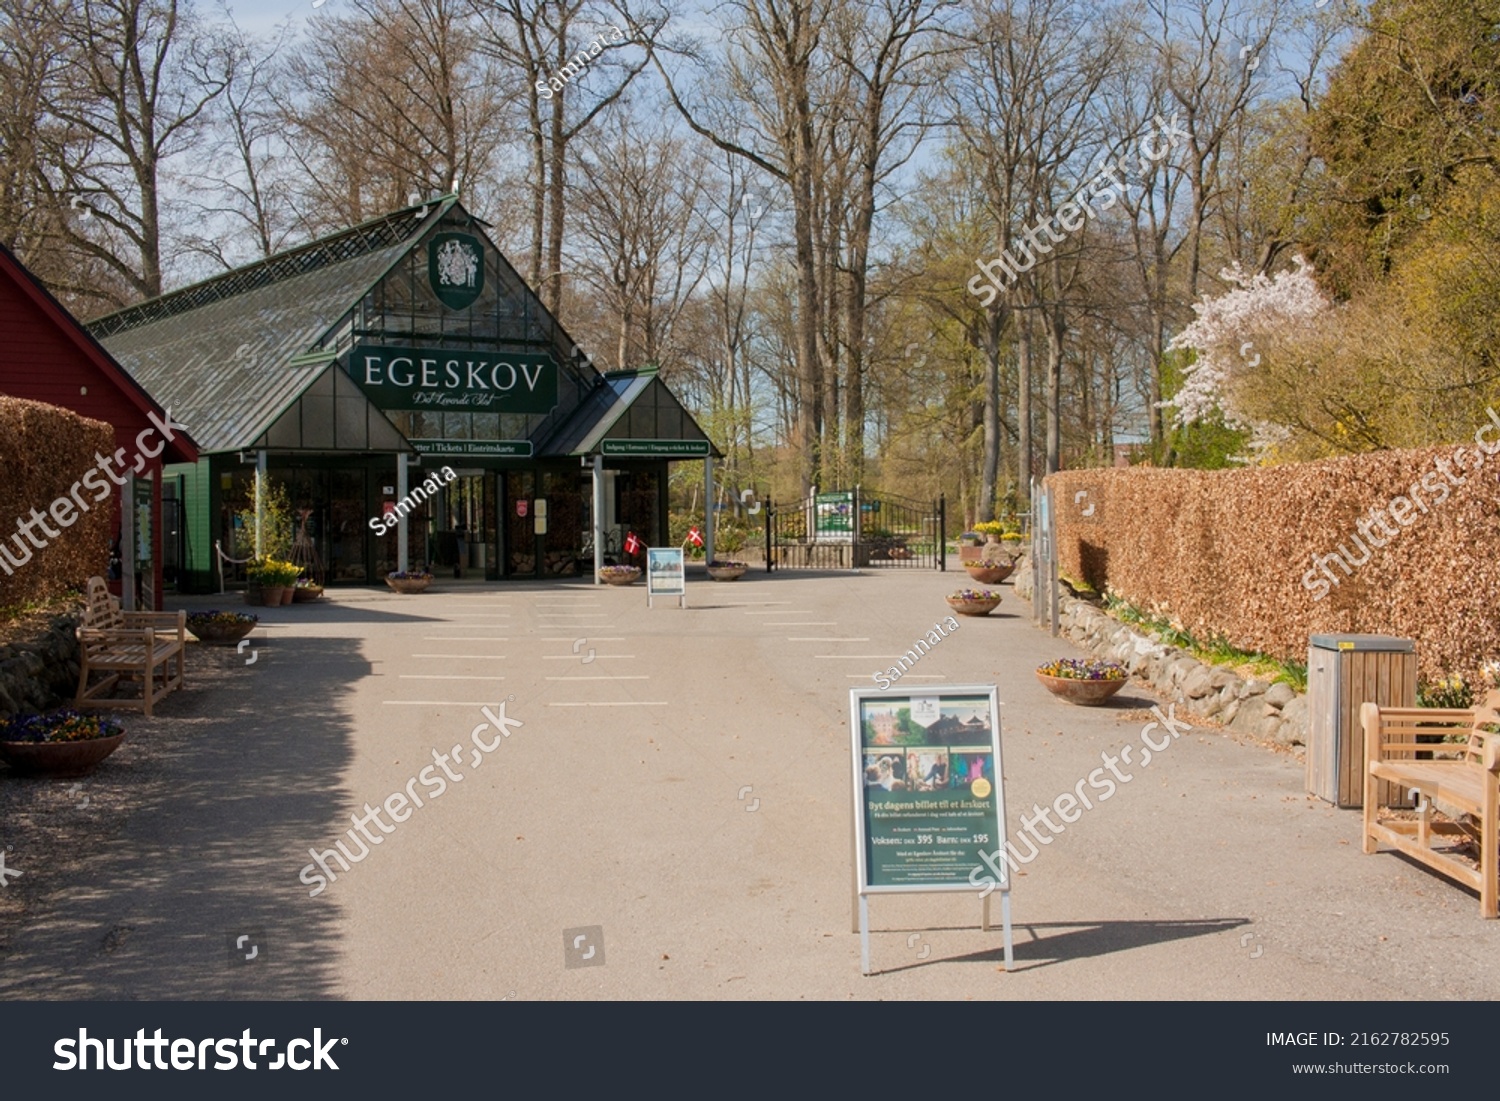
(1234,554)
(44,451)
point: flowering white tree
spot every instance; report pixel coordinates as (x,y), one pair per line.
(1229,337)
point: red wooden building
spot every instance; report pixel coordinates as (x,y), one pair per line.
(50,357)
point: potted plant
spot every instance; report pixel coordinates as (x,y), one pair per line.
(619,575)
(63,743)
(255,582)
(1084,681)
(266,573)
(220,628)
(409,581)
(727,569)
(974,601)
(287,573)
(306,590)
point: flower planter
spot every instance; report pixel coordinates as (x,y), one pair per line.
(989,573)
(58,758)
(272,594)
(620,575)
(255,596)
(307,594)
(974,605)
(409,584)
(288,594)
(728,572)
(220,633)
(1085,693)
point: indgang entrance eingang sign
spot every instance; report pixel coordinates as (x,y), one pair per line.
(441,378)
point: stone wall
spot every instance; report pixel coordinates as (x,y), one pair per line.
(1273,712)
(40,671)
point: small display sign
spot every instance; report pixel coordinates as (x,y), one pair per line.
(929,789)
(666,572)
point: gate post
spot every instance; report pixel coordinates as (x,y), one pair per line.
(858,526)
(770,562)
(942,532)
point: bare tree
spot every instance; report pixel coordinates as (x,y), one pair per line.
(574,59)
(639,205)
(135,81)
(392,102)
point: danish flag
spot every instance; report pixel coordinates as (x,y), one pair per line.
(695,536)
(632,544)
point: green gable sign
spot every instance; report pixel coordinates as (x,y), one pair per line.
(432,379)
(455,268)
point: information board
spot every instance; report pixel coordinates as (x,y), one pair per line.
(927,773)
(666,573)
(834,517)
(929,796)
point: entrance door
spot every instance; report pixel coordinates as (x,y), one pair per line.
(467,537)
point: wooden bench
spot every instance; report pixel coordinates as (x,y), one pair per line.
(128,646)
(1400,748)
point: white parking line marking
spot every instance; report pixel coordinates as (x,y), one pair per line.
(592,638)
(804,623)
(625,703)
(779,612)
(638,676)
(443,676)
(464,657)
(440,703)
(906,676)
(574,657)
(857,657)
(464,638)
(805,639)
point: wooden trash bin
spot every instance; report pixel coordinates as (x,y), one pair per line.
(1344,672)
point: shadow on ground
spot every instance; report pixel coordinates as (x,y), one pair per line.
(1062,942)
(195,835)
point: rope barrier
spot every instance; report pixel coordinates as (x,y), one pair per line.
(222,558)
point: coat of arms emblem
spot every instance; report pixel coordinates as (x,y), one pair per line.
(455,268)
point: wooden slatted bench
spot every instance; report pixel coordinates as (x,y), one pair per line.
(128,646)
(1400,748)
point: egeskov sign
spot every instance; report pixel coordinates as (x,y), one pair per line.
(455,268)
(438,378)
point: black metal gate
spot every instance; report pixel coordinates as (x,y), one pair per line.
(846,530)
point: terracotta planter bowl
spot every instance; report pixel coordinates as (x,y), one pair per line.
(727,573)
(222,634)
(621,579)
(272,594)
(989,573)
(58,758)
(974,607)
(1085,693)
(409,584)
(306,594)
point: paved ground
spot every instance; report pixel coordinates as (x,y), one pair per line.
(681,781)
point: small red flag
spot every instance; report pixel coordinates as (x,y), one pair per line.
(695,536)
(632,544)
